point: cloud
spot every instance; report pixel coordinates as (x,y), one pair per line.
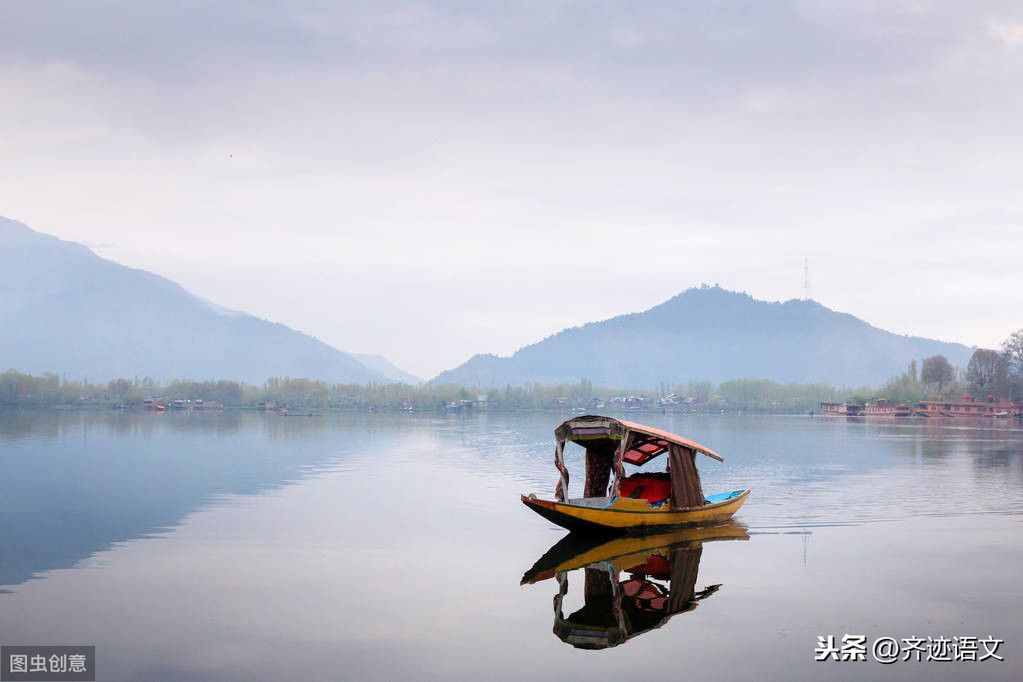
(426,146)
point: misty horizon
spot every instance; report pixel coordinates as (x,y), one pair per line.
(558,368)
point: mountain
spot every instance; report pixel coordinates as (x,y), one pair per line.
(378,363)
(715,335)
(64,309)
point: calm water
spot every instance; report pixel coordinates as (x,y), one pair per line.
(250,547)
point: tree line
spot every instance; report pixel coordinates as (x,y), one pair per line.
(990,374)
(994,373)
(17,388)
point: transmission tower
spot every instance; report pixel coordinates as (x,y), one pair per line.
(806,279)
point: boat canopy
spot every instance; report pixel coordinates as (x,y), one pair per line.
(610,442)
(651,442)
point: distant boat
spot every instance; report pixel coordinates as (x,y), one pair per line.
(153,404)
(876,408)
(832,409)
(968,407)
(642,502)
(885,408)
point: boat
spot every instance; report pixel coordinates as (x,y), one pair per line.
(967,406)
(642,502)
(885,408)
(832,409)
(632,584)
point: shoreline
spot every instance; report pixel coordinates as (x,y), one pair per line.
(326,411)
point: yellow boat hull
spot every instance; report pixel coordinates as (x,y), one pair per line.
(575,551)
(625,515)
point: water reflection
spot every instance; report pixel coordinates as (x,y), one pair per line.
(631,584)
(79,483)
(264,524)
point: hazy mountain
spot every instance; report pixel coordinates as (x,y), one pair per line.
(716,335)
(378,363)
(64,309)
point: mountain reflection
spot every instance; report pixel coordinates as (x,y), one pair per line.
(79,483)
(631,584)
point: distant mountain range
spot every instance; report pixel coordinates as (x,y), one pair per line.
(711,334)
(64,309)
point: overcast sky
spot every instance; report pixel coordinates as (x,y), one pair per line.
(429,180)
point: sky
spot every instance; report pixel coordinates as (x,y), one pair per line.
(433,180)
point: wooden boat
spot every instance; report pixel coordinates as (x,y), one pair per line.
(632,584)
(640,503)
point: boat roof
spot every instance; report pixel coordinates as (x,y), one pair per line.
(652,441)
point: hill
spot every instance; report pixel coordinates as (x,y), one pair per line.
(711,334)
(64,309)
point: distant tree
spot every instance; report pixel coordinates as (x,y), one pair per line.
(987,373)
(1012,347)
(904,388)
(1012,351)
(701,391)
(937,370)
(119,388)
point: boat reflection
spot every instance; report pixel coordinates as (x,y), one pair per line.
(631,584)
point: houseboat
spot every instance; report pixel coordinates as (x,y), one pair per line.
(968,407)
(831,409)
(876,408)
(841,409)
(886,408)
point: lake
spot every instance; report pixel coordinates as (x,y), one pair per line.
(244,546)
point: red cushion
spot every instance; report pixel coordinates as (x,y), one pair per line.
(649,487)
(655,566)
